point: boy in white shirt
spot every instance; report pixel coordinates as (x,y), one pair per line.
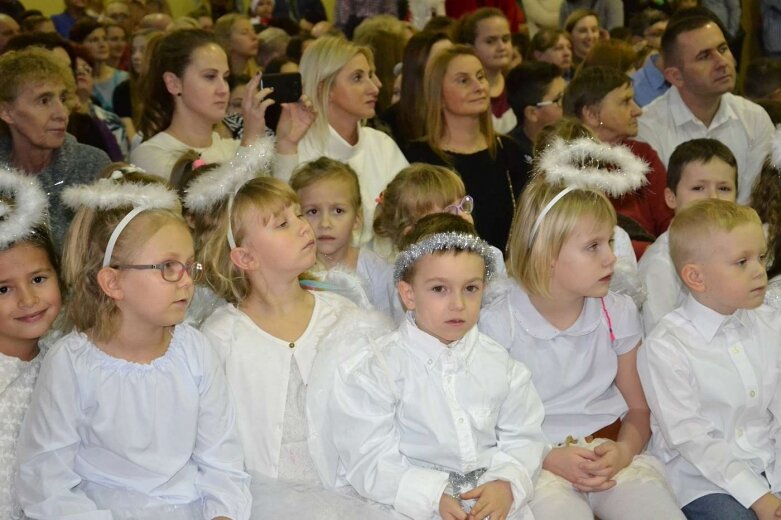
(710,369)
(436,418)
(699,169)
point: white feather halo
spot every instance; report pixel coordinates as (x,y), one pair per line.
(108,194)
(212,187)
(26,210)
(775,153)
(587,164)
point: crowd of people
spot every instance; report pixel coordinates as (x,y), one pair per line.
(504,261)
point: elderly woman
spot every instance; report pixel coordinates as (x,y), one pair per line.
(34,111)
(602,98)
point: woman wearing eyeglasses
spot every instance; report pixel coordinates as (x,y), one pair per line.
(602,98)
(460,135)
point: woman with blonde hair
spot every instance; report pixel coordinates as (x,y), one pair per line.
(339,79)
(460,135)
(234,32)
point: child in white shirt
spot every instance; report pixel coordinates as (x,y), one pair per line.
(698,169)
(710,369)
(435,418)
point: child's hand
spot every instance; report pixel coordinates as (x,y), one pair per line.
(767,507)
(566,462)
(494,499)
(613,457)
(450,509)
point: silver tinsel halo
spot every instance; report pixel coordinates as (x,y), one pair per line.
(109,194)
(775,153)
(28,209)
(587,164)
(440,242)
(223,182)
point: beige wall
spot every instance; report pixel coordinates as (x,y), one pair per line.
(179,7)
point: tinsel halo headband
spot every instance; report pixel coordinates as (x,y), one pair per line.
(107,194)
(441,242)
(25,209)
(224,182)
(586,164)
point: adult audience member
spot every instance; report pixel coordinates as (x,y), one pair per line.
(127,98)
(617,54)
(460,135)
(156,21)
(273,44)
(38,23)
(74,11)
(701,70)
(337,77)
(771,27)
(535,93)
(8,29)
(237,36)
(762,81)
(92,35)
(386,37)
(306,13)
(648,26)
(610,12)
(118,56)
(118,11)
(350,13)
(602,99)
(583,29)
(553,46)
(34,116)
(456,9)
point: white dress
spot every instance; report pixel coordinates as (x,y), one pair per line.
(268,378)
(17,379)
(106,438)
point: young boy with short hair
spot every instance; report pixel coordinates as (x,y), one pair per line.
(710,369)
(699,169)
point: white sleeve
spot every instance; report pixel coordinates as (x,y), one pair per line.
(155,160)
(762,132)
(48,443)
(522,445)
(663,291)
(284,165)
(670,390)
(221,480)
(362,412)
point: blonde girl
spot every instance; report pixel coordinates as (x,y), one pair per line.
(29,303)
(269,334)
(331,201)
(129,376)
(580,342)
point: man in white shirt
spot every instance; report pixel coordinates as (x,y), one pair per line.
(710,369)
(701,70)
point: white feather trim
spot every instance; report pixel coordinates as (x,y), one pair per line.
(775,153)
(587,164)
(27,209)
(108,194)
(212,187)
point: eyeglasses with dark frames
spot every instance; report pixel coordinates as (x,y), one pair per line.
(171,271)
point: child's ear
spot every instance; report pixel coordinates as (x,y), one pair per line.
(692,277)
(358,224)
(407,294)
(670,199)
(243,259)
(108,279)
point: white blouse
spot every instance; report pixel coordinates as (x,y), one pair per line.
(164,430)
(574,370)
(17,379)
(258,366)
(406,410)
(159,153)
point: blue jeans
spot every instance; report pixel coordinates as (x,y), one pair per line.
(718,506)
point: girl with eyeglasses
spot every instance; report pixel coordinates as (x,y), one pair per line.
(132,416)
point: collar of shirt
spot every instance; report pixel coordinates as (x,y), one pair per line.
(429,350)
(682,115)
(707,321)
(536,325)
(338,148)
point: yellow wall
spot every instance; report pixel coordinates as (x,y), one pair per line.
(178,7)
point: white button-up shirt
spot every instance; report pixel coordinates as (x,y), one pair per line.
(712,382)
(410,410)
(574,370)
(665,290)
(740,124)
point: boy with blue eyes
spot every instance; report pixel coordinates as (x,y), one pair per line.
(710,369)
(698,169)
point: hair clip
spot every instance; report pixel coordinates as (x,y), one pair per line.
(26,210)
(106,194)
(197,163)
(439,242)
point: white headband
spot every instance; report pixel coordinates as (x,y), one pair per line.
(19,217)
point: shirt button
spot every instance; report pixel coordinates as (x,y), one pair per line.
(430,361)
(752,393)
(292,345)
(461,420)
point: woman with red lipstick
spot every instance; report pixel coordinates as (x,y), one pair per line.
(186,93)
(460,135)
(487,31)
(580,340)
(339,79)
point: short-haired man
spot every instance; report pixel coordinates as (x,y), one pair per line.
(535,91)
(701,70)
